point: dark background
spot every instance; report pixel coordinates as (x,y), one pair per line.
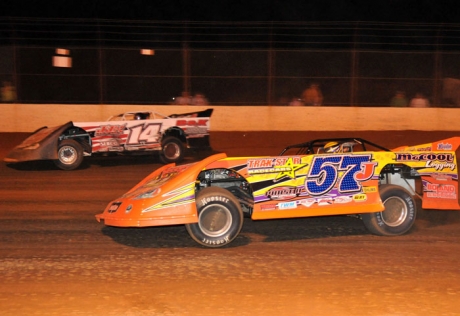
(235,52)
(240,10)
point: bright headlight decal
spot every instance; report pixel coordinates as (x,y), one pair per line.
(148,194)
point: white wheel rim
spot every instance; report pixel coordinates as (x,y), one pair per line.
(67,155)
(215,220)
(395,211)
(171,151)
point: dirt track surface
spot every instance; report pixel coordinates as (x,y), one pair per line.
(56,259)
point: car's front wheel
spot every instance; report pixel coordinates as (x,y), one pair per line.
(220,218)
(70,155)
(398,216)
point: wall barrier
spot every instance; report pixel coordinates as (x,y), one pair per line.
(29,117)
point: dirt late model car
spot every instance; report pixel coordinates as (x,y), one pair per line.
(317,178)
(127,133)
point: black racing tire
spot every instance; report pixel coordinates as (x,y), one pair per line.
(172,150)
(399,214)
(220,218)
(70,155)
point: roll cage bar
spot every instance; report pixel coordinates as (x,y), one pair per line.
(312,147)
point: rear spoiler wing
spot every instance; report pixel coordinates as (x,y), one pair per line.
(205,113)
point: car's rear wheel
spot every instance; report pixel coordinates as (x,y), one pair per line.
(70,155)
(172,150)
(220,218)
(398,216)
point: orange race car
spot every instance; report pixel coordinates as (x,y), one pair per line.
(321,177)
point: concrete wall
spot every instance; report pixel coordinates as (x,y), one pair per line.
(29,117)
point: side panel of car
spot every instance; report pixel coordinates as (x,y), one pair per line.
(315,185)
(118,136)
(437,164)
(298,186)
(439,174)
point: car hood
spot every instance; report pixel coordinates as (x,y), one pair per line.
(164,197)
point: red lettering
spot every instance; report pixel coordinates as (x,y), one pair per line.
(118,129)
(267,163)
(367,170)
(201,122)
(260,163)
(440,187)
(280,161)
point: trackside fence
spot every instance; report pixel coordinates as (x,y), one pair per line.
(260,63)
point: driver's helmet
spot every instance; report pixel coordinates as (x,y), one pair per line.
(138,116)
(348,147)
(331,147)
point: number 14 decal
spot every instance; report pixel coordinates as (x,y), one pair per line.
(141,134)
(324,173)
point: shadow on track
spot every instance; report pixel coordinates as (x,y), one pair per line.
(100,161)
(253,231)
(108,161)
(159,237)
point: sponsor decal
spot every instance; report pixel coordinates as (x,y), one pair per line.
(360,197)
(283,166)
(284,193)
(109,143)
(165,176)
(268,207)
(325,201)
(287,205)
(217,198)
(425,157)
(439,166)
(195,130)
(441,176)
(343,199)
(172,171)
(418,149)
(223,240)
(161,179)
(307,202)
(110,130)
(438,161)
(114,207)
(443,146)
(369,189)
(441,191)
(190,122)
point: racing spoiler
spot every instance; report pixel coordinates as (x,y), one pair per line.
(205,113)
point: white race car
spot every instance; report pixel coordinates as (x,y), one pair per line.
(131,132)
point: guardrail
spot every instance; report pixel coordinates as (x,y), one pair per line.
(29,117)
